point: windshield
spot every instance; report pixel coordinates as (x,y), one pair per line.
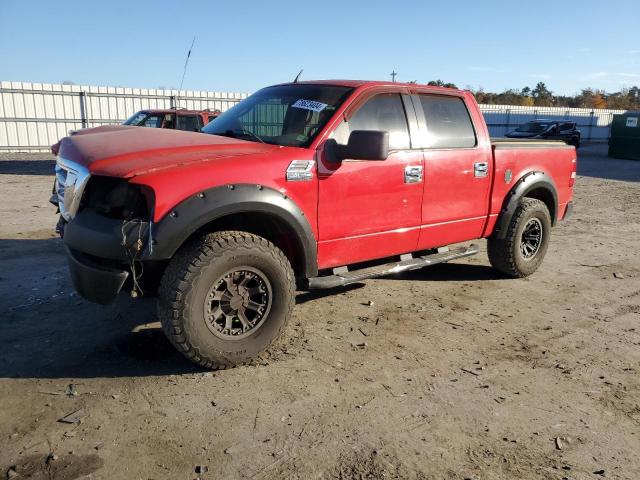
(146,119)
(288,115)
(532,127)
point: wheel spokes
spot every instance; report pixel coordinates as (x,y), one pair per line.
(238,302)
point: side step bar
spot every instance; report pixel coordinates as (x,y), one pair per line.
(413,263)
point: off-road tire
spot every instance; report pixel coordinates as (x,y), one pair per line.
(505,255)
(187,281)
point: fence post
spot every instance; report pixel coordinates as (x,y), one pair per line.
(172,101)
(508,120)
(83,109)
(591,124)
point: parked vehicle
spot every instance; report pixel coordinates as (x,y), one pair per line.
(311,185)
(548,130)
(171,118)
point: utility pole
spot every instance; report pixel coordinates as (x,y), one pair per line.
(393,75)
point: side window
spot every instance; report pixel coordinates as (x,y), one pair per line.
(448,122)
(565,127)
(189,123)
(153,121)
(383,112)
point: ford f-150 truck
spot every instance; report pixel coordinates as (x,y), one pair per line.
(310,185)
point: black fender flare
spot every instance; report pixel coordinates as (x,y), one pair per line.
(528,183)
(204,207)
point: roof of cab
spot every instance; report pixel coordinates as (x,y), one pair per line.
(360,83)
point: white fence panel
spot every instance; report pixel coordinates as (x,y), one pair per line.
(594,124)
(33,116)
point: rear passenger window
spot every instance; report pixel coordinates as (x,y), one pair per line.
(448,122)
(188,123)
(383,112)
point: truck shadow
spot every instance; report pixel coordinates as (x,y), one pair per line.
(47,331)
(27,167)
(451,272)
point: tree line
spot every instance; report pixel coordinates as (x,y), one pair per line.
(541,96)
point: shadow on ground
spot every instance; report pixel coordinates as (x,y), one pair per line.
(50,332)
(27,167)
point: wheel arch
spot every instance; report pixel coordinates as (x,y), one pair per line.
(532,185)
(252,208)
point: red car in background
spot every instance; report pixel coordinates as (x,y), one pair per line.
(171,118)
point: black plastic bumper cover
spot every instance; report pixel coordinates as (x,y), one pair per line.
(101,237)
(97,283)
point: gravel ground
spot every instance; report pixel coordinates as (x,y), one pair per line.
(452,373)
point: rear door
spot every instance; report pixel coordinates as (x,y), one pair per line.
(458,170)
(370,209)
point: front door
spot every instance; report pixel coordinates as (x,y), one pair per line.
(371,209)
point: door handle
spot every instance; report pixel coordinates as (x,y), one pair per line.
(480,169)
(413,174)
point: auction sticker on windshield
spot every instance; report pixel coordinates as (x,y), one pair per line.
(310,105)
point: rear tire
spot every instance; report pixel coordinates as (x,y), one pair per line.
(225,298)
(522,250)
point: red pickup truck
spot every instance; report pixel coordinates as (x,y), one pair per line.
(309,185)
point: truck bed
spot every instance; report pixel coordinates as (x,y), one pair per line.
(500,142)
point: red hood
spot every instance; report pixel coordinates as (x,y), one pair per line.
(123,151)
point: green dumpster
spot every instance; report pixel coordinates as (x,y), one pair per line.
(625,136)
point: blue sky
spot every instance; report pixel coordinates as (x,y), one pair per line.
(241,46)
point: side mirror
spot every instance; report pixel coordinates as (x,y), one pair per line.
(362,145)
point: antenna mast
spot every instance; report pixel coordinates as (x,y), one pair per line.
(184,70)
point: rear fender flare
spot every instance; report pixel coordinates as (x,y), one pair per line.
(529,182)
(193,213)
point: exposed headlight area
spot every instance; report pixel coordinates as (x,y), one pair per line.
(116,198)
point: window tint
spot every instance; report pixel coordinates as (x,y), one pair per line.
(189,123)
(448,122)
(383,112)
(566,126)
(290,114)
(153,121)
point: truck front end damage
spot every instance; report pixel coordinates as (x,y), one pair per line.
(106,226)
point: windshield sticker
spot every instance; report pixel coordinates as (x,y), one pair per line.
(310,105)
(632,122)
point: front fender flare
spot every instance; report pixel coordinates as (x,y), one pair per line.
(204,207)
(528,183)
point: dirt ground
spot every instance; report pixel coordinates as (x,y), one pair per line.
(452,373)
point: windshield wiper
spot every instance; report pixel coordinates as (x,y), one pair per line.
(246,133)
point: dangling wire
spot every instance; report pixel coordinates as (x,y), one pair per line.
(137,248)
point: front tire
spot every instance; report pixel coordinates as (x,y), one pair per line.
(522,250)
(225,298)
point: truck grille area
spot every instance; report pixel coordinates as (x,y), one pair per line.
(71,179)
